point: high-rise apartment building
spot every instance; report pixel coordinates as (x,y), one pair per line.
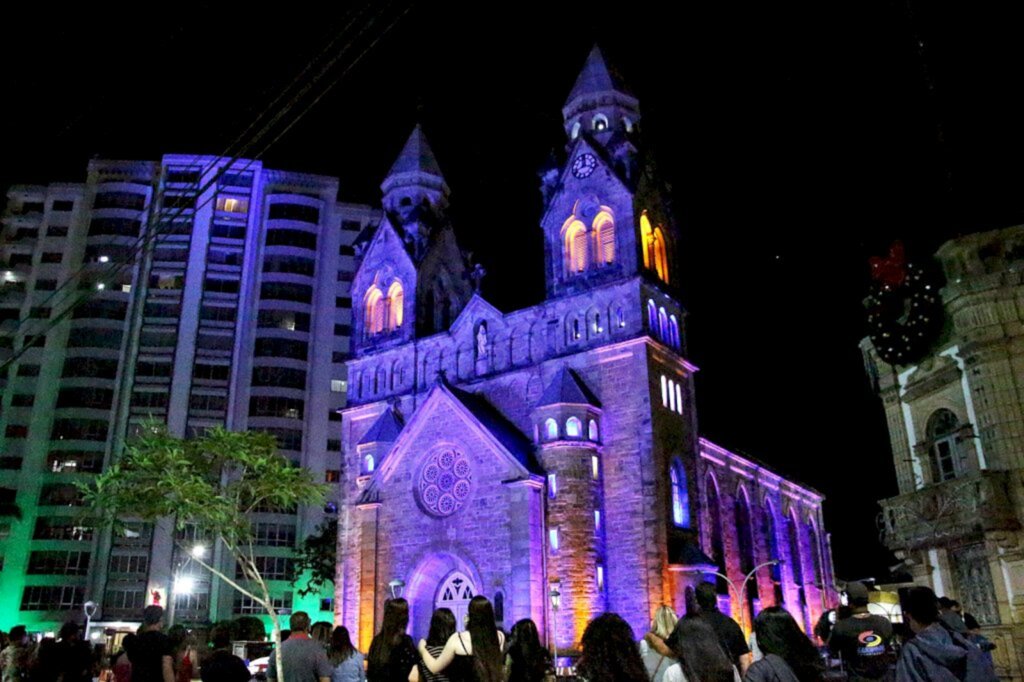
(211,290)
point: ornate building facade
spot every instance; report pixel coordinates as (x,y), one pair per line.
(956,423)
(554,448)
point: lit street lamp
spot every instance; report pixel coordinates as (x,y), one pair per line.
(397,587)
(556,601)
(743,588)
(183,583)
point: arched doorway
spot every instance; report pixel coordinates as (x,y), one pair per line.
(425,588)
(455,593)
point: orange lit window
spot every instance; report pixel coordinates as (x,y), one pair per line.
(374,321)
(654,250)
(604,228)
(232,204)
(576,247)
(396,301)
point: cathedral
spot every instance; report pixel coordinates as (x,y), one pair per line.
(549,458)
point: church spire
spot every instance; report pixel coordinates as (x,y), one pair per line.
(599,101)
(415,176)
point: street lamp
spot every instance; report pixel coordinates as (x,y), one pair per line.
(556,601)
(397,587)
(743,587)
(198,552)
(183,583)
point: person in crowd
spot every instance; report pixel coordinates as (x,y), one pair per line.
(186,659)
(321,632)
(949,613)
(392,654)
(222,665)
(152,656)
(528,659)
(442,627)
(16,656)
(609,652)
(302,658)
(789,655)
(121,663)
(45,664)
(347,662)
(74,657)
(655,653)
(730,636)
(863,641)
(472,656)
(936,652)
(701,657)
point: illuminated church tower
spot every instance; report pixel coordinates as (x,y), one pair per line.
(553,448)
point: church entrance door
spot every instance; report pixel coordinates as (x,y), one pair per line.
(455,592)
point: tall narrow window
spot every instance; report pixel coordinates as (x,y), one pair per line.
(552,486)
(576,247)
(663,331)
(597,519)
(592,432)
(573,427)
(671,395)
(679,398)
(680,495)
(664,391)
(653,246)
(600,576)
(595,467)
(620,316)
(551,429)
(652,316)
(396,302)
(368,464)
(673,332)
(374,307)
(604,228)
(660,255)
(553,539)
(943,452)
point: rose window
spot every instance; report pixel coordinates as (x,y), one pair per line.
(445,482)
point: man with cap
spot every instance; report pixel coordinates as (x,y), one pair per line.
(863,641)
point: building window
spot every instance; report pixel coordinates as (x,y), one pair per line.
(576,247)
(595,467)
(600,122)
(396,301)
(673,332)
(663,332)
(604,230)
(620,316)
(671,395)
(592,432)
(368,464)
(338,385)
(654,251)
(551,429)
(552,486)
(600,576)
(553,539)
(597,519)
(652,316)
(664,391)
(679,398)
(230,204)
(680,495)
(944,453)
(573,427)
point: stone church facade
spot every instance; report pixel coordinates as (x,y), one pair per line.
(553,448)
(956,424)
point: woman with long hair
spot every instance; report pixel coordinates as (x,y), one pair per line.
(789,655)
(700,655)
(442,627)
(529,660)
(347,662)
(392,654)
(473,656)
(609,652)
(657,656)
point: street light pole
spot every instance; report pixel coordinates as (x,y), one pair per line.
(743,588)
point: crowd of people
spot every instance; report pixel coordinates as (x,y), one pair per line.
(941,644)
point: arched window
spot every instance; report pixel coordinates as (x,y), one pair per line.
(600,122)
(551,429)
(368,464)
(943,452)
(576,251)
(652,316)
(595,467)
(768,530)
(715,520)
(499,609)
(396,301)
(680,494)
(374,307)
(673,331)
(663,326)
(796,558)
(592,432)
(575,329)
(575,130)
(664,391)
(679,398)
(597,323)
(671,395)
(812,535)
(744,535)
(620,316)
(653,245)
(604,230)
(573,427)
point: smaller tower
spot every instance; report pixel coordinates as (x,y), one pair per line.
(415,192)
(599,103)
(568,422)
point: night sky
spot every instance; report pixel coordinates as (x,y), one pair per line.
(799,139)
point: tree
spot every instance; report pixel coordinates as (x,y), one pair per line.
(212,484)
(316,559)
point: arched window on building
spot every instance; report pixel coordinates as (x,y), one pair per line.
(499,609)
(816,562)
(654,250)
(604,236)
(796,560)
(715,521)
(943,450)
(680,494)
(679,398)
(600,122)
(374,317)
(551,429)
(576,247)
(368,464)
(768,530)
(652,316)
(663,326)
(396,302)
(620,317)
(673,332)
(573,427)
(745,542)
(592,431)
(664,391)
(671,395)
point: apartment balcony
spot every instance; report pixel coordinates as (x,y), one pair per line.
(961,508)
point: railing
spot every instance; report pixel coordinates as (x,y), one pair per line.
(961,507)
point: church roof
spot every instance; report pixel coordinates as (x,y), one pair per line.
(501,428)
(416,157)
(566,387)
(596,78)
(385,429)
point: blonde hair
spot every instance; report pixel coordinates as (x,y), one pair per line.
(664,622)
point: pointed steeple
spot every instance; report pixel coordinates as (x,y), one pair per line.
(415,176)
(599,101)
(568,389)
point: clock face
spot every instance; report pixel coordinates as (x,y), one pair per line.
(584,165)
